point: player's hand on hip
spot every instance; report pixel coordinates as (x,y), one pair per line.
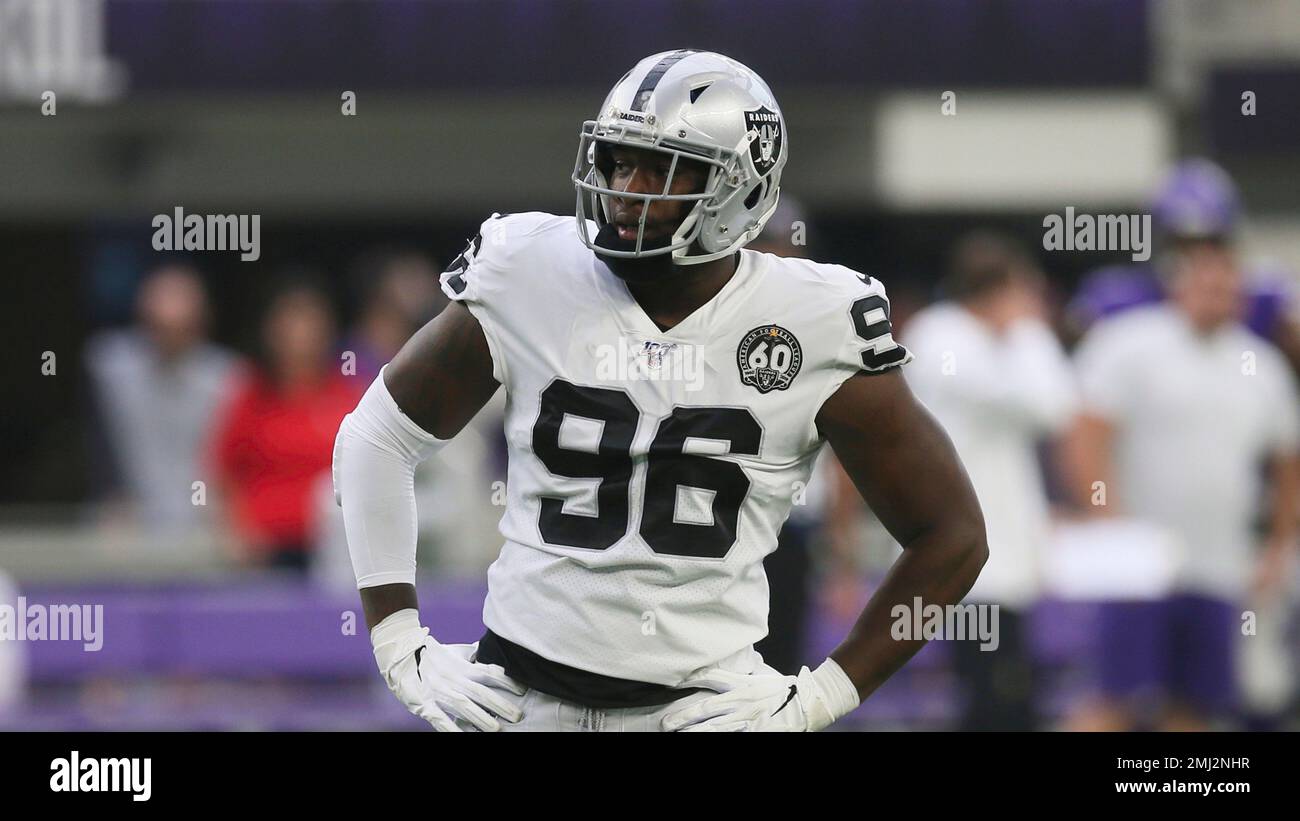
(769,702)
(441,683)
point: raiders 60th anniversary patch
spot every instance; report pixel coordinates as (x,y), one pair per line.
(769,358)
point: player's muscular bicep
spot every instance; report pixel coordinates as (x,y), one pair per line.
(442,376)
(898,456)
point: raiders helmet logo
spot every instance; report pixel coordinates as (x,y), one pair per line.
(769,358)
(765,148)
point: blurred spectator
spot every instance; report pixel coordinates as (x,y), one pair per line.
(990,369)
(399,293)
(1182,406)
(457,503)
(1197,202)
(275,437)
(157,386)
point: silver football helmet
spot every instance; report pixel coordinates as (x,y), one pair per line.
(696,105)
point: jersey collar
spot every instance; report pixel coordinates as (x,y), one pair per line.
(702,324)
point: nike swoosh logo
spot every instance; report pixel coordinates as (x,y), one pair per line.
(418,651)
(794,689)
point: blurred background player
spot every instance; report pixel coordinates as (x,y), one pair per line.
(991,370)
(157,385)
(398,290)
(1182,405)
(1197,205)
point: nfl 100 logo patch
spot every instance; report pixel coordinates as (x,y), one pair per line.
(769,358)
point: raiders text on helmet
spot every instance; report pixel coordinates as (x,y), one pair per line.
(696,105)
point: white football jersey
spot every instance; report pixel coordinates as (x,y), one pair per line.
(651,471)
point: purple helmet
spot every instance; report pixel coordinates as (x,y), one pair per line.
(1112,289)
(1198,200)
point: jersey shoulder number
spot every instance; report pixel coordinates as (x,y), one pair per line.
(873,334)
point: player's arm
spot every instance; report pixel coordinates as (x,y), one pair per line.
(1285,473)
(1104,364)
(1087,463)
(440,379)
(1274,566)
(907,471)
(431,389)
(1028,382)
(904,466)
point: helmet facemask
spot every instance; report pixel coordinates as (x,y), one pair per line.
(726,180)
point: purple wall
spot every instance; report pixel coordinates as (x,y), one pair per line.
(249,45)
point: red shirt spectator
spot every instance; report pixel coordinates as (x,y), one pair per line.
(271,448)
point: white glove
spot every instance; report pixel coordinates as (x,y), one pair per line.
(441,683)
(808,702)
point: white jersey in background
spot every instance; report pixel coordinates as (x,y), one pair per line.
(650,471)
(997,396)
(1195,417)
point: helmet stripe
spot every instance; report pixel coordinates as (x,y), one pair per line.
(653,77)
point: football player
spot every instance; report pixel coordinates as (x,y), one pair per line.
(1197,213)
(667,392)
